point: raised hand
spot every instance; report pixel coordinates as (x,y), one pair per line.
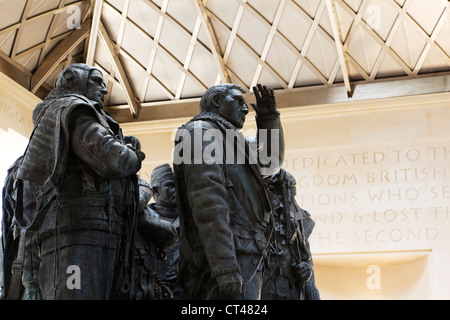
(265,100)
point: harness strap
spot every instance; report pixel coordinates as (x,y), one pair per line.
(17,269)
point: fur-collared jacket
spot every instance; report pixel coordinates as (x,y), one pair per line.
(224,207)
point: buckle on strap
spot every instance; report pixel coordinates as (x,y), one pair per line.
(17,266)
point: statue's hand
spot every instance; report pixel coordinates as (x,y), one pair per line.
(302,271)
(265,100)
(133,141)
(140,155)
(135,144)
(230,283)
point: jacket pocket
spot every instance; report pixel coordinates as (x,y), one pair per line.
(246,242)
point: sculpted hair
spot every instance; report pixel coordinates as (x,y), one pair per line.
(220,90)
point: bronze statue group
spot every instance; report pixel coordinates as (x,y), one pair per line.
(79,223)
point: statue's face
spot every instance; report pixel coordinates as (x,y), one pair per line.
(96,89)
(233,108)
(166,193)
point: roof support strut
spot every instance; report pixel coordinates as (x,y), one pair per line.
(339,46)
(120,72)
(223,73)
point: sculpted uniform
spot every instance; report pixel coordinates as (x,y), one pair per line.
(166,267)
(80,162)
(224,213)
(288,273)
(154,235)
(163,181)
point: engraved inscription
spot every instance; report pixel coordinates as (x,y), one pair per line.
(393,194)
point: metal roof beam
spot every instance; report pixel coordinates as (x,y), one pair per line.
(217,54)
(389,39)
(358,21)
(154,49)
(96,15)
(423,33)
(17,25)
(42,45)
(301,55)
(19,74)
(234,29)
(148,76)
(178,64)
(14,70)
(162,12)
(431,41)
(133,103)
(123,19)
(57,55)
(309,37)
(189,56)
(49,39)
(303,97)
(23,19)
(49,34)
(339,46)
(269,41)
(236,38)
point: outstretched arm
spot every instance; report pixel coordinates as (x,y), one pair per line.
(270,137)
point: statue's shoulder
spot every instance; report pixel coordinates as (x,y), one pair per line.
(61,104)
(59,97)
(64,104)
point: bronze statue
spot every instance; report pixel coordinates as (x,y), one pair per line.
(222,200)
(154,236)
(162,182)
(83,173)
(288,272)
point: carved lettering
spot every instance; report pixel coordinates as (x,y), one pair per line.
(389,195)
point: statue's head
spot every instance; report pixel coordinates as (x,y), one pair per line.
(162,181)
(227,101)
(83,79)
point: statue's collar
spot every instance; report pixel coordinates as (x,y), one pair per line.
(211,116)
(61,92)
